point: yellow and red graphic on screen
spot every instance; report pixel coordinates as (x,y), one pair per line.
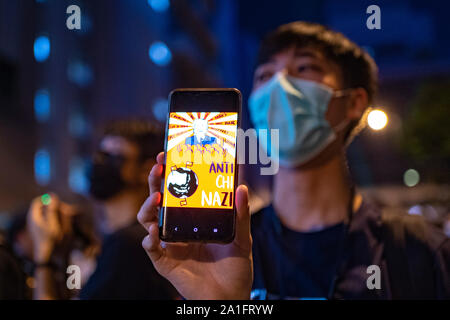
(200,160)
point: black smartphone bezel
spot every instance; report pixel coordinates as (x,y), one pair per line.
(205,220)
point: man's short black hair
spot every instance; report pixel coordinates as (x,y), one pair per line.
(146,134)
(358,68)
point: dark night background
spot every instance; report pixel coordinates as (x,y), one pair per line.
(51,111)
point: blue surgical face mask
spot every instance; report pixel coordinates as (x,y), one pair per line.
(297,108)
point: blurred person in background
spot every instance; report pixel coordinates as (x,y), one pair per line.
(118,180)
(118,183)
(318,237)
(77,243)
(12,277)
(20,240)
(21,244)
(61,234)
(446,225)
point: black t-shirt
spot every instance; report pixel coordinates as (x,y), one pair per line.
(298,265)
(291,264)
(304,270)
(124,271)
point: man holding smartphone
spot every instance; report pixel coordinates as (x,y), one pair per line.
(318,239)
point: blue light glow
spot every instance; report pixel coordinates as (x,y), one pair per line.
(42,167)
(160,109)
(159,53)
(159,5)
(78,125)
(86,24)
(41,48)
(42,105)
(80,73)
(78,180)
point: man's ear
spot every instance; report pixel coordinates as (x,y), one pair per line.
(359,101)
(146,168)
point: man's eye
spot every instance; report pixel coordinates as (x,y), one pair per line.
(264,76)
(309,67)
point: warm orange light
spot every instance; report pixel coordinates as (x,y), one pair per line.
(377,119)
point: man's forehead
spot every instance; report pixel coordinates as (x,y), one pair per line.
(118,145)
(295,52)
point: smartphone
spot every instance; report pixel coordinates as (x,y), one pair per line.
(200,173)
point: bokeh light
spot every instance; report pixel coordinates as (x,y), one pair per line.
(42,167)
(78,180)
(80,73)
(159,5)
(377,119)
(160,109)
(411,177)
(159,53)
(42,105)
(78,125)
(41,48)
(46,199)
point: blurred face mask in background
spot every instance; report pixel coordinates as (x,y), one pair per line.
(105,176)
(297,108)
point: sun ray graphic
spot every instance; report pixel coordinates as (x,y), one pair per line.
(203,128)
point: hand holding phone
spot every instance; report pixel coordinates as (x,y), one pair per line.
(201,172)
(200,270)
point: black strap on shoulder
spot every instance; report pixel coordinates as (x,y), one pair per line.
(410,261)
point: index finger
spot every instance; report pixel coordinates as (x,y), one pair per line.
(160,158)
(155,177)
(148,213)
(243,236)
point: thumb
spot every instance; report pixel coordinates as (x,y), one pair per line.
(243,237)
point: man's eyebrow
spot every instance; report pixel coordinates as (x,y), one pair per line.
(271,60)
(263,66)
(306,54)
(299,53)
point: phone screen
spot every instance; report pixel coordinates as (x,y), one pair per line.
(200,167)
(200,162)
